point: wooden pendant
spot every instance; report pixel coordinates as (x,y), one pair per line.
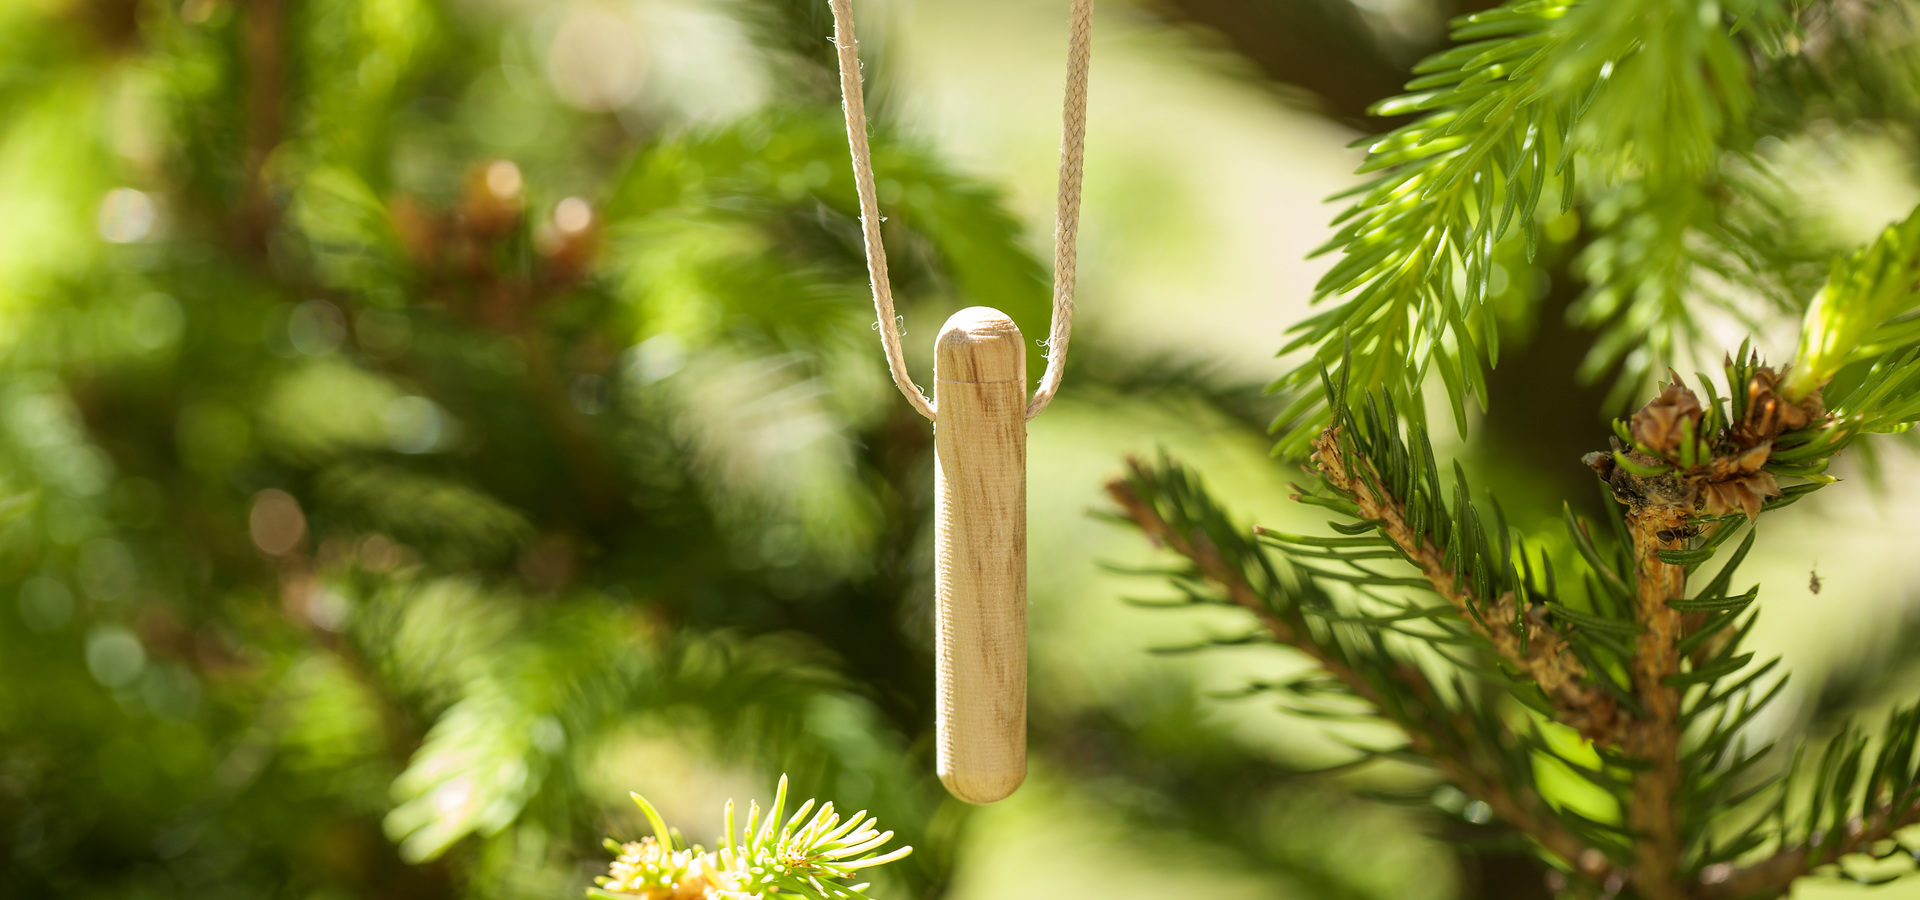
(980,535)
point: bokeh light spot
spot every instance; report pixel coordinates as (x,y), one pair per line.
(503,179)
(276,522)
(572,215)
(115,656)
(127,216)
(329,610)
(415,424)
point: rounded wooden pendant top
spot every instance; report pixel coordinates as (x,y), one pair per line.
(980,537)
(980,344)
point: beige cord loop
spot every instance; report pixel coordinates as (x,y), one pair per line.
(1066,222)
(852,100)
(1067,210)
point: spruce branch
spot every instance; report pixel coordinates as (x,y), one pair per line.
(1650,100)
(1688,473)
(1641,90)
(1676,80)
(1451,185)
(1656,680)
(1859,802)
(1527,643)
(1686,461)
(1390,484)
(1663,254)
(1474,752)
(1683,217)
(1685,471)
(763,858)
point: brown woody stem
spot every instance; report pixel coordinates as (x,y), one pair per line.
(1656,738)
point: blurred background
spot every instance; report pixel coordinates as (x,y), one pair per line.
(425,421)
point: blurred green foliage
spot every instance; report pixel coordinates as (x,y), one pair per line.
(425,421)
(399,424)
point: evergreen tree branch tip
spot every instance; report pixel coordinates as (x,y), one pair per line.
(1651,104)
(1535,100)
(762,858)
(1655,679)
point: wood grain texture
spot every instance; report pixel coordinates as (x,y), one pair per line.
(980,535)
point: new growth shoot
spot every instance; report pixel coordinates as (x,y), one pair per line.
(764,858)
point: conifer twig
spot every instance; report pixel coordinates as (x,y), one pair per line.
(1445,746)
(1771,876)
(1543,656)
(1686,460)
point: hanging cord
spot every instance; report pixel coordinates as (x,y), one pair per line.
(1067,212)
(856,108)
(1066,221)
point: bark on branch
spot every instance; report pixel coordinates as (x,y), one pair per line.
(1542,656)
(1656,738)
